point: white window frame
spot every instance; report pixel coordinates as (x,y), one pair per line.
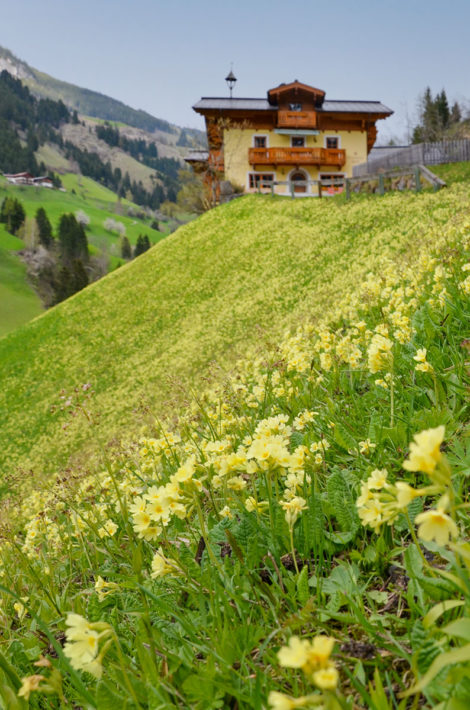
(259,135)
(293,146)
(259,172)
(338,138)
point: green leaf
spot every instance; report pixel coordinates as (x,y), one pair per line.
(344,438)
(342,503)
(439,609)
(457,655)
(107,700)
(302,585)
(460,628)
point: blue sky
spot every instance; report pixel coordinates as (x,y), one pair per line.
(162,56)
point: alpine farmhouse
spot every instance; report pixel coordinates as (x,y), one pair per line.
(285,141)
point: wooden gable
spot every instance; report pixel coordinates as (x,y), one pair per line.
(285,95)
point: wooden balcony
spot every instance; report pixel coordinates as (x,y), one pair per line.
(296,156)
(296,119)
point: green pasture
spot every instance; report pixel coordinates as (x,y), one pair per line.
(19,303)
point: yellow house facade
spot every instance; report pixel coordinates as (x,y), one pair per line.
(287,142)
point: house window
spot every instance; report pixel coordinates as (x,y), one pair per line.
(298,141)
(295,107)
(260,142)
(332,142)
(260,181)
(332,183)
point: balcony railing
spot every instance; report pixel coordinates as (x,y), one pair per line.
(296,119)
(296,156)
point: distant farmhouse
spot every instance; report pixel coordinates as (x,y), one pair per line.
(285,141)
(28,179)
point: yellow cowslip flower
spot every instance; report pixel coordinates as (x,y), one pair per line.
(295,655)
(377,479)
(82,643)
(420,355)
(279,701)
(226,512)
(293,508)
(424,451)
(422,364)
(101,585)
(253,505)
(237,483)
(365,495)
(436,524)
(372,513)
(365,447)
(29,685)
(186,471)
(326,678)
(108,529)
(20,608)
(405,494)
(379,353)
(310,656)
(319,653)
(162,566)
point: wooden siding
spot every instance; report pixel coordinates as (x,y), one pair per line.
(297,119)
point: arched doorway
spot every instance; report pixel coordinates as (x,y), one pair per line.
(296,178)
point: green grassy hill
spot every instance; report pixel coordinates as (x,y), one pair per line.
(235,277)
(18,302)
(293,533)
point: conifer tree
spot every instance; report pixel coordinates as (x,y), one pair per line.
(44,228)
(12,214)
(126,251)
(455,113)
(79,276)
(142,244)
(72,239)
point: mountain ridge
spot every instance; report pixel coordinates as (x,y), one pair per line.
(86,101)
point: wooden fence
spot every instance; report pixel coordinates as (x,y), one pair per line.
(413,178)
(419,154)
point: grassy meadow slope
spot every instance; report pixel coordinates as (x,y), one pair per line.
(237,275)
(18,302)
(96,201)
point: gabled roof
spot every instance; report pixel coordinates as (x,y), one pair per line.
(295,87)
(223,104)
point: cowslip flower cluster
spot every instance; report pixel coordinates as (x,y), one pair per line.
(380,501)
(379,354)
(422,364)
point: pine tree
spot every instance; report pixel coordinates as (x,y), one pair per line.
(12,214)
(442,106)
(455,113)
(44,228)
(72,239)
(142,245)
(126,251)
(79,276)
(63,285)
